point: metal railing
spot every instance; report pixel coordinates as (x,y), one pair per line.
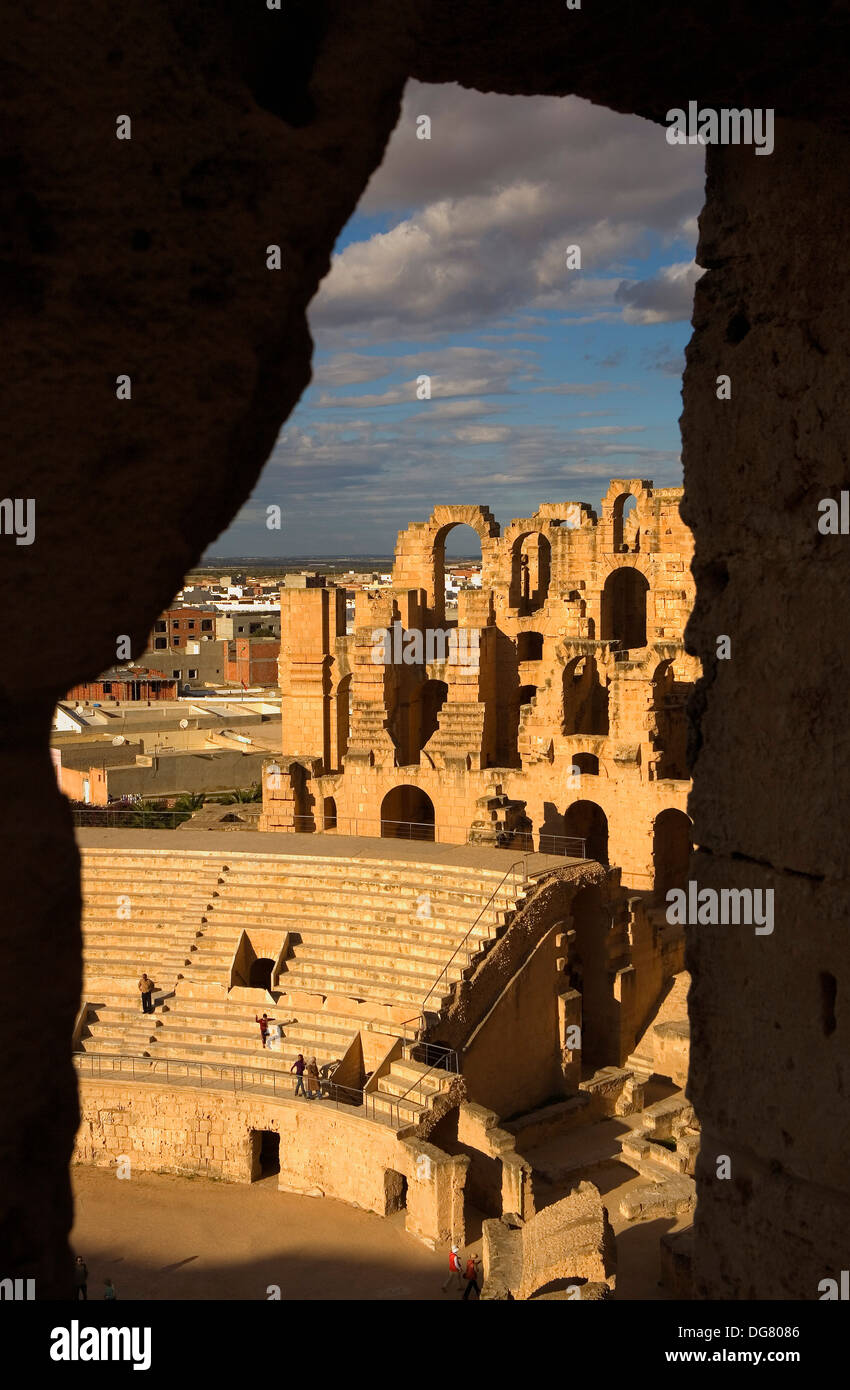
(147,817)
(175,1070)
(448,1061)
(511,872)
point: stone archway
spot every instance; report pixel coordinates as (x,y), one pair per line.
(99,285)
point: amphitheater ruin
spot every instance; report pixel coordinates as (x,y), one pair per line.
(454,901)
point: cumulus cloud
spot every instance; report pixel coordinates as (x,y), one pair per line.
(664,298)
(502,188)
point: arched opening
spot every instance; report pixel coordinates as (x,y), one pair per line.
(671,851)
(587,821)
(529,646)
(343,718)
(586,763)
(260,974)
(432,697)
(585,698)
(526,694)
(457,558)
(624,607)
(531,568)
(407,813)
(329,813)
(626,529)
(670,736)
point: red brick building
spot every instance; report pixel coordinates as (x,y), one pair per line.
(126,683)
(177,626)
(251,662)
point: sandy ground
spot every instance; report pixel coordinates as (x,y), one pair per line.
(161,1237)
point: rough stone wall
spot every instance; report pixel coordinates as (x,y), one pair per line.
(769,1016)
(571,1239)
(250,135)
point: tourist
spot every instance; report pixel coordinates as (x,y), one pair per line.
(109,1289)
(313,1080)
(455,1274)
(264,1026)
(146,989)
(298,1068)
(471,1277)
(81,1280)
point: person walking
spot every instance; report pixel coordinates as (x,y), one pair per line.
(81,1280)
(470,1274)
(146,989)
(109,1289)
(314,1089)
(298,1068)
(455,1274)
(264,1026)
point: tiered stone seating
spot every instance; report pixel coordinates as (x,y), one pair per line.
(164,898)
(370,930)
(369,938)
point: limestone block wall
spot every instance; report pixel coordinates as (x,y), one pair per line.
(571,1238)
(187,1130)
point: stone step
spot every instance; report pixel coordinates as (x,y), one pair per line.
(340,966)
(353,988)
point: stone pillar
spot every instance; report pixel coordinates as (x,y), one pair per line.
(769,1017)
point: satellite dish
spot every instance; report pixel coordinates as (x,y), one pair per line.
(184,723)
(118,740)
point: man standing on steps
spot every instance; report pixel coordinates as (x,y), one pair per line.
(146,989)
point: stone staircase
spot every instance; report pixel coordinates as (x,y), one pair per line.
(406,1091)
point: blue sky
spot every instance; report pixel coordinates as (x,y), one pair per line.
(545,382)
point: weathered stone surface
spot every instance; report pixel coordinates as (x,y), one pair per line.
(145,257)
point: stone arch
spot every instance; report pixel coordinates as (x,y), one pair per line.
(329,813)
(584,697)
(420,559)
(407,813)
(625,526)
(531,571)
(672,845)
(669,712)
(587,821)
(624,604)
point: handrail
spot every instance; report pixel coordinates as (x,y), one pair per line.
(450,1051)
(97,1065)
